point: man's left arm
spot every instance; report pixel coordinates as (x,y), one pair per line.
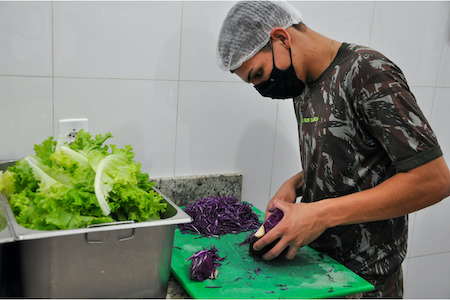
(404,193)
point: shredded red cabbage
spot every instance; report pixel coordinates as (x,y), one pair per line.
(216,216)
(204,264)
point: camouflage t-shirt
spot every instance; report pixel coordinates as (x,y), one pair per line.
(359,124)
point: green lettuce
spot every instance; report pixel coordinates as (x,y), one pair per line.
(65,186)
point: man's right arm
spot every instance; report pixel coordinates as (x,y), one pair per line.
(288,192)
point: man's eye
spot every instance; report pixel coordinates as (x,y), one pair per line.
(257,76)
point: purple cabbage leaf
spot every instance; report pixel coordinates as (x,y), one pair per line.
(204,264)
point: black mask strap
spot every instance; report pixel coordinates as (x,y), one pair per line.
(273,57)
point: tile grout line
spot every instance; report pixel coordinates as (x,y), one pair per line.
(178,93)
(447,32)
(430,254)
(373,20)
(127,79)
(162,80)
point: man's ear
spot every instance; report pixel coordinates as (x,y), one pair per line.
(280,34)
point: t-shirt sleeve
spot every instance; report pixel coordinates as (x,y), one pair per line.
(391,113)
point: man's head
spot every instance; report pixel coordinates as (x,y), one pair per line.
(247,29)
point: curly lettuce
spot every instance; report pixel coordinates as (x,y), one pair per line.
(65,186)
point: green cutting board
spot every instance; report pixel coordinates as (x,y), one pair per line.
(309,275)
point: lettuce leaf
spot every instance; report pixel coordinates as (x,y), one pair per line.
(66,186)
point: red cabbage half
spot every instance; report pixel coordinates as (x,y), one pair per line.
(268,224)
(216,216)
(204,263)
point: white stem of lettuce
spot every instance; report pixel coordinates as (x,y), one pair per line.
(46,180)
(79,158)
(102,188)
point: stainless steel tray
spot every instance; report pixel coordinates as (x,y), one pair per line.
(114,260)
(173,215)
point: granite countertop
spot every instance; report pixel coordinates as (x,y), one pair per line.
(183,190)
(175,290)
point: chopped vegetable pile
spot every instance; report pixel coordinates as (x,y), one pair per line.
(216,216)
(74,185)
(204,264)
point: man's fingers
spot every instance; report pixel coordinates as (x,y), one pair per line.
(275,251)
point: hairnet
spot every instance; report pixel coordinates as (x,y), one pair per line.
(246,29)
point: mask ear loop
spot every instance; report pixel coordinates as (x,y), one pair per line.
(273,57)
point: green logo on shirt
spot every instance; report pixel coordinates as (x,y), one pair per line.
(310,120)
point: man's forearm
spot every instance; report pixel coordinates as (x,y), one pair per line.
(401,194)
(297,182)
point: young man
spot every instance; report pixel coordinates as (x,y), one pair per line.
(369,156)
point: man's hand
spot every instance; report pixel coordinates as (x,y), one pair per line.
(300,225)
(286,193)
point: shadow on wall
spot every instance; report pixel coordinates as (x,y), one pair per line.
(261,178)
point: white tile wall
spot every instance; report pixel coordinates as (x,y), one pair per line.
(198,45)
(286,160)
(140,113)
(26,38)
(227,127)
(117,40)
(420,37)
(428,277)
(145,71)
(444,70)
(440,120)
(345,21)
(435,220)
(26,114)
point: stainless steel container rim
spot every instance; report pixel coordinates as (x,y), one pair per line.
(4,164)
(22,233)
(5,233)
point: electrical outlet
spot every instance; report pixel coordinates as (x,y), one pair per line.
(69,128)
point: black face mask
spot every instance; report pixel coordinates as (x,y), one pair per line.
(282,84)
